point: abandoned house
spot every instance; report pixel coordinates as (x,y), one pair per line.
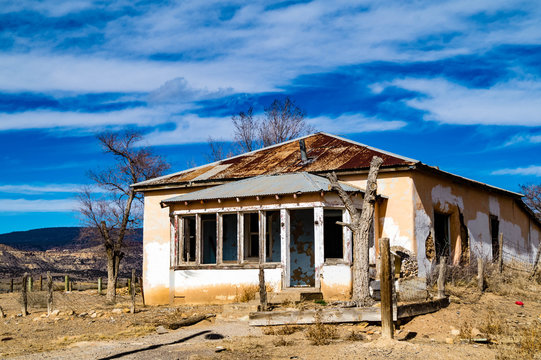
(208,229)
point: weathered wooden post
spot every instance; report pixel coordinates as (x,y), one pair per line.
(66,283)
(142,292)
(480,274)
(132,291)
(24,297)
(30,284)
(99,286)
(500,254)
(2,315)
(11,286)
(262,290)
(129,286)
(71,286)
(49,293)
(387,330)
(441,277)
(40,282)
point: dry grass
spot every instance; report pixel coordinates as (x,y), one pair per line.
(525,346)
(281,330)
(282,341)
(493,325)
(319,333)
(133,331)
(355,336)
(247,293)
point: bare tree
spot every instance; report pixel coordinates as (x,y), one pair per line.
(532,198)
(360,227)
(245,130)
(110,215)
(216,150)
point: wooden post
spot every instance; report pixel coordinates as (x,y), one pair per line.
(480,274)
(30,284)
(132,291)
(71,286)
(441,277)
(40,282)
(262,290)
(99,286)
(129,286)
(49,293)
(142,293)
(24,297)
(387,330)
(500,254)
(11,286)
(2,315)
(66,283)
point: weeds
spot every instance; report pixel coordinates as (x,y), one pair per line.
(319,333)
(526,345)
(247,293)
(281,330)
(281,341)
(355,336)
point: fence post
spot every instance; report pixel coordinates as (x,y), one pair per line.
(49,293)
(71,286)
(129,286)
(66,283)
(142,292)
(387,330)
(40,282)
(480,274)
(262,290)
(99,286)
(11,286)
(24,297)
(2,315)
(30,284)
(441,277)
(132,291)
(500,255)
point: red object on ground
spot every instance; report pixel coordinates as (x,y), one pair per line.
(520,303)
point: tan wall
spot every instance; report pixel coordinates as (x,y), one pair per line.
(469,209)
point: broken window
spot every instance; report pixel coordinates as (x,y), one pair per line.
(208,237)
(441,235)
(272,236)
(189,238)
(494,231)
(229,222)
(251,236)
(333,234)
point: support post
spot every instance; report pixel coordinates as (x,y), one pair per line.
(262,289)
(100,285)
(129,286)
(132,291)
(441,277)
(500,254)
(66,283)
(49,293)
(11,286)
(40,282)
(387,330)
(480,274)
(142,292)
(24,297)
(30,284)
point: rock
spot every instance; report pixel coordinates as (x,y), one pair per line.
(126,310)
(70,312)
(117,311)
(219,349)
(43,315)
(94,315)
(475,332)
(455,332)
(185,316)
(83,314)
(55,312)
(449,340)
(161,330)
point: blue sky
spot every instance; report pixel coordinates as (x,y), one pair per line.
(455,84)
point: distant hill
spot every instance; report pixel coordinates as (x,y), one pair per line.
(51,238)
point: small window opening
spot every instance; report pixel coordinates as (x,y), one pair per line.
(208,225)
(229,237)
(251,236)
(441,235)
(333,234)
(272,236)
(189,238)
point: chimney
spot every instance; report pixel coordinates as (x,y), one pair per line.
(302,146)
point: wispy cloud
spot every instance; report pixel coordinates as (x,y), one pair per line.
(353,123)
(533,170)
(40,205)
(523,139)
(40,189)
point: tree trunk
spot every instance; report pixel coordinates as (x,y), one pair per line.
(112,275)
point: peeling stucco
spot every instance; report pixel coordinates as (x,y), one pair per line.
(423,225)
(443,197)
(391,229)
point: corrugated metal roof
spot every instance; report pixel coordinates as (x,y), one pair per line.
(266,185)
(325,153)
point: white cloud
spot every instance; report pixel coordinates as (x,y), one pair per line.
(532,170)
(523,139)
(511,103)
(40,205)
(353,123)
(40,189)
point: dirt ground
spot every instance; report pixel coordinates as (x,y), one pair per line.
(486,326)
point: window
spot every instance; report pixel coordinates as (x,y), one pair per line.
(333,234)
(188,253)
(494,231)
(208,236)
(251,236)
(441,235)
(230,232)
(272,236)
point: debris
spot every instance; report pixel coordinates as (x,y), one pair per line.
(55,312)
(519,303)
(117,311)
(481,340)
(455,332)
(449,340)
(219,349)
(190,321)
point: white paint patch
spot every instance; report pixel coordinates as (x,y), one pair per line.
(423,226)
(443,196)
(189,279)
(392,231)
(479,234)
(157,264)
(515,246)
(339,274)
(494,206)
(534,242)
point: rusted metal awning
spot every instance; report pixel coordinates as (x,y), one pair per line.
(266,185)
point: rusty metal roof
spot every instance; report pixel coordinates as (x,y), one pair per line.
(325,153)
(263,185)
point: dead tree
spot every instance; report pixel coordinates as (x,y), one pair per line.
(110,216)
(360,227)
